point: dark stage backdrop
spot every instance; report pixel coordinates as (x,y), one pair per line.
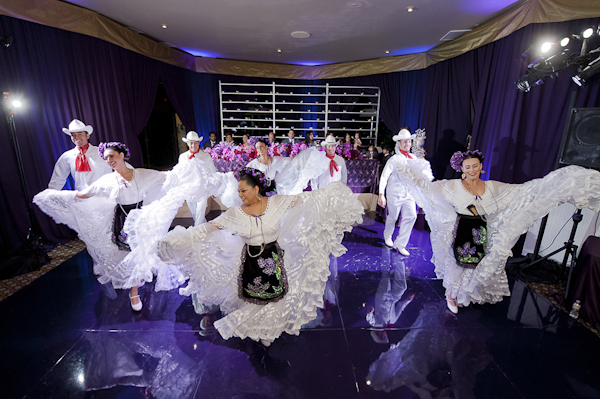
(66,75)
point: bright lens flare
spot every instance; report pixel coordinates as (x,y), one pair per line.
(546,47)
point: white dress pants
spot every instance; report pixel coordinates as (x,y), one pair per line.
(198,210)
(396,207)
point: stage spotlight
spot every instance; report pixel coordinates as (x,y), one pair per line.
(565,41)
(558,61)
(546,47)
(17,104)
(587,33)
(584,76)
(526,82)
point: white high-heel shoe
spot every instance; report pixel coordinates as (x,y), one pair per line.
(138,306)
(453,308)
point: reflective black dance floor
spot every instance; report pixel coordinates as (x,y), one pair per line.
(384,333)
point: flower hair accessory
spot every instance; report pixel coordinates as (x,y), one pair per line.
(113,144)
(256,175)
(255,140)
(459,156)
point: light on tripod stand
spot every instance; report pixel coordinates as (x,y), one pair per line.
(11,102)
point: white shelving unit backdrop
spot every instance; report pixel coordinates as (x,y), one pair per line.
(258,109)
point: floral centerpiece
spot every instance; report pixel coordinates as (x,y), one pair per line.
(286,150)
(232,152)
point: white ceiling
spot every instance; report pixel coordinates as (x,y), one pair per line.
(340,30)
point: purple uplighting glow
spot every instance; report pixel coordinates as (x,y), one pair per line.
(484,7)
(310,63)
(411,50)
(201,53)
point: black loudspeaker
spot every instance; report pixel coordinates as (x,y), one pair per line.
(582,146)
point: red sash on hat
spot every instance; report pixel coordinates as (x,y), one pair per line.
(332,164)
(81,162)
(193,153)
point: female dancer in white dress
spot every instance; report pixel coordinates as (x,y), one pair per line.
(277,283)
(475,223)
(126,189)
(267,164)
(100,212)
(287,176)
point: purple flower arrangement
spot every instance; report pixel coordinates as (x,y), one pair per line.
(231,152)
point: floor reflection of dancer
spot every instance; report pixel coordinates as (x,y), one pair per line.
(470,250)
(398,199)
(434,360)
(197,208)
(151,359)
(99,221)
(278,282)
(389,302)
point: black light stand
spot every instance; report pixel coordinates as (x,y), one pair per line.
(570,248)
(32,248)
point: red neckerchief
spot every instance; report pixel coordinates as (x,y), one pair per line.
(193,153)
(332,164)
(81,162)
(406,154)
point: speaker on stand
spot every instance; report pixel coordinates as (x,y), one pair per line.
(579,146)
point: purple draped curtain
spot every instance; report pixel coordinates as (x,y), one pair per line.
(179,85)
(63,76)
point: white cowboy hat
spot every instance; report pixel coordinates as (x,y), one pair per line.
(329,140)
(77,126)
(403,135)
(191,136)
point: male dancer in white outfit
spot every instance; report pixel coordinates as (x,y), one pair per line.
(398,200)
(83,162)
(194,154)
(337,167)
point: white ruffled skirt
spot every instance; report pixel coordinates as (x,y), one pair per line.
(309,233)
